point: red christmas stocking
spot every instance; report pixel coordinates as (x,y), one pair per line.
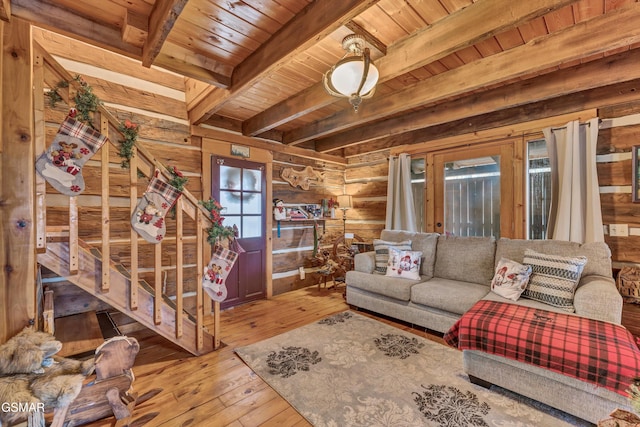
(148,217)
(217,271)
(61,165)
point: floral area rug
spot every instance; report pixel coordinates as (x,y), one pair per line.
(350,370)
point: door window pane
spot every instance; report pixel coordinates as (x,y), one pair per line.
(252,204)
(539,189)
(251,180)
(230,201)
(252,226)
(472,197)
(230,178)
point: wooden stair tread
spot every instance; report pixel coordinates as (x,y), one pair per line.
(79,333)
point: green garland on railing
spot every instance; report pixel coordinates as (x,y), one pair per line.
(217,232)
(129,131)
(86,101)
(178,180)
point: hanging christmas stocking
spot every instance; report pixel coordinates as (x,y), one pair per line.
(217,271)
(148,217)
(61,165)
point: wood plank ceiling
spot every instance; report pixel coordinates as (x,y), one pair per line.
(256,66)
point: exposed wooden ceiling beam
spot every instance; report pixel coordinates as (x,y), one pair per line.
(434,42)
(606,71)
(61,20)
(265,145)
(576,102)
(316,21)
(163,16)
(188,69)
(5,10)
(368,37)
(572,43)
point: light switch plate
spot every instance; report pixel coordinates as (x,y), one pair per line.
(618,230)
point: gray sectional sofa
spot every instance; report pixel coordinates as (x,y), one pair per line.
(456,272)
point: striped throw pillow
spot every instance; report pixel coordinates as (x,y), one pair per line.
(382,252)
(553,278)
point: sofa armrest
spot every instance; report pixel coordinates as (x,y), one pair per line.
(365,262)
(598,298)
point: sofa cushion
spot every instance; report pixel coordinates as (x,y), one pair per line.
(467,259)
(511,279)
(448,295)
(404,264)
(381,248)
(598,253)
(423,242)
(554,278)
(391,287)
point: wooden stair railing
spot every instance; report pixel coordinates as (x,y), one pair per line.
(145,303)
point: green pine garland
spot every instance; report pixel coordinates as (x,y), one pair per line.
(130,132)
(217,231)
(86,101)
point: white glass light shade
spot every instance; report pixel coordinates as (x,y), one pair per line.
(347,75)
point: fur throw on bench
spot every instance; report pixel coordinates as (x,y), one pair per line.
(33,380)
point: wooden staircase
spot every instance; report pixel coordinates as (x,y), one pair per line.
(89,278)
(60,248)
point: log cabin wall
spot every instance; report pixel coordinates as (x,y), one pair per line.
(293,247)
(620,132)
(366,180)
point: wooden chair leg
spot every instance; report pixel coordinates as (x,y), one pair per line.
(122,406)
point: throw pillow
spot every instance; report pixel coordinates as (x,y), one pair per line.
(382,252)
(553,278)
(404,264)
(511,279)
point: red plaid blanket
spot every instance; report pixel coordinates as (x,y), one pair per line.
(598,352)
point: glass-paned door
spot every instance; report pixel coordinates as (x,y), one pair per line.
(239,186)
(474,192)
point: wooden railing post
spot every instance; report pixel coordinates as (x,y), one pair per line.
(73,235)
(133,200)
(40,136)
(179,264)
(199,274)
(106,230)
(157,303)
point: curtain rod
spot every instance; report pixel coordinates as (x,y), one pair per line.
(581,124)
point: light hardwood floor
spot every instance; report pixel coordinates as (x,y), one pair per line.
(218,389)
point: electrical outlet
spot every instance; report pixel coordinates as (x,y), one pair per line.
(618,230)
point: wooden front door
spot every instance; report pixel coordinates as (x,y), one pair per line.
(240,187)
(475,191)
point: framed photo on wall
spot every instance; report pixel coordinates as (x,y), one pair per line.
(635,167)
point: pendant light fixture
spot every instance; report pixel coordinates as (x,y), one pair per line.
(354,76)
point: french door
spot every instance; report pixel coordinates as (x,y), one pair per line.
(475,191)
(240,187)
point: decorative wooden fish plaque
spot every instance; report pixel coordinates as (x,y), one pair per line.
(303,178)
